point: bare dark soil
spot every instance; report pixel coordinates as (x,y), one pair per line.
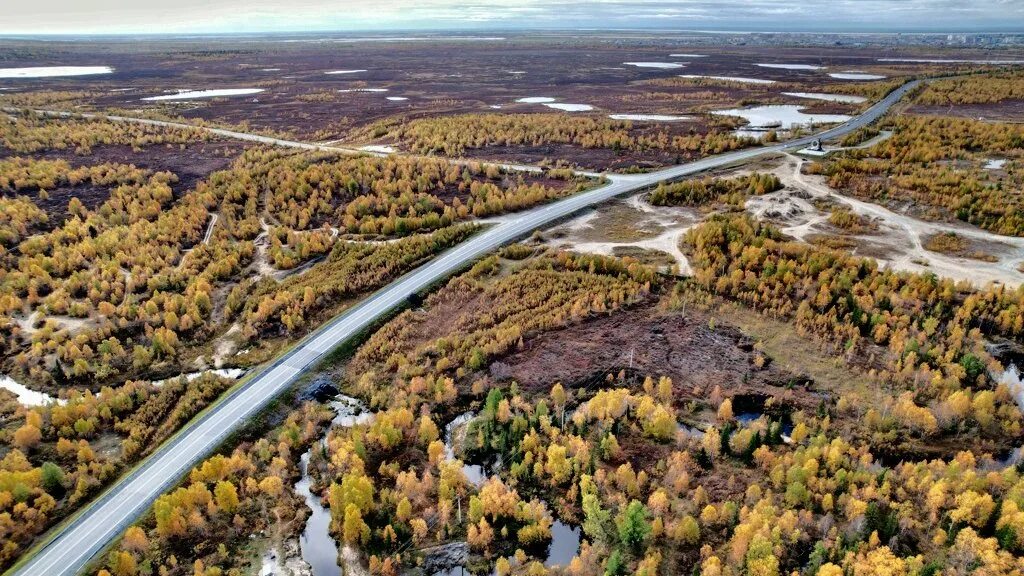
(1005,111)
(647,341)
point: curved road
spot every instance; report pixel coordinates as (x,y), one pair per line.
(74,543)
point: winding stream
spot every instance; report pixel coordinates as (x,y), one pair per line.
(317,545)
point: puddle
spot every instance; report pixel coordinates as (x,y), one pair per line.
(565,544)
(53,71)
(535,100)
(566,107)
(689,430)
(729,78)
(649,117)
(792,66)
(349,412)
(194,94)
(344,71)
(1011,379)
(781,116)
(380,148)
(856,76)
(659,65)
(994,164)
(844,98)
(475,473)
(232,373)
(27,396)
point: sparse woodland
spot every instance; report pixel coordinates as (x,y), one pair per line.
(454,135)
(134,284)
(746,497)
(733,191)
(899,473)
(935,164)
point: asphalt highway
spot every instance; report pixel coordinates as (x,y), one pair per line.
(73,544)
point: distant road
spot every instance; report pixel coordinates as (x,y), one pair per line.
(73,544)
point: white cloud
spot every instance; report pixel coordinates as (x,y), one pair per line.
(180,16)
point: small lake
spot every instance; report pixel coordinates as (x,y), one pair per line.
(649,117)
(844,98)
(659,65)
(196,94)
(778,116)
(856,76)
(53,71)
(743,79)
(792,66)
(567,107)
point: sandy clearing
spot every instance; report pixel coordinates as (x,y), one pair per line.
(902,237)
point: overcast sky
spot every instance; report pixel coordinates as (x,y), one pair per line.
(202,16)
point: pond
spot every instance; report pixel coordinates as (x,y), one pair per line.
(26,395)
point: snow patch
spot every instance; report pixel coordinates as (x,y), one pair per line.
(344,71)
